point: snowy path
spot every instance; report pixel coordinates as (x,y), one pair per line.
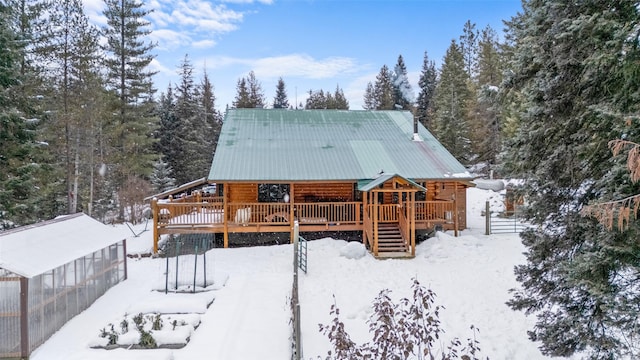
(238,318)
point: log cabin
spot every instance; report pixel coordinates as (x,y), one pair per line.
(380,173)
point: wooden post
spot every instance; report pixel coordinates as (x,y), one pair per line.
(154,210)
(124,251)
(487,219)
(375,224)
(412,215)
(365,213)
(226,216)
(455,212)
(292,218)
(24,318)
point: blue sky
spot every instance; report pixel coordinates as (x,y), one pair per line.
(311,44)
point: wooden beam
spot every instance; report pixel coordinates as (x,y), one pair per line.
(225,213)
(412,227)
(156,236)
(24,318)
(291,210)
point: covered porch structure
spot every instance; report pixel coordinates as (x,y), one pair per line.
(388,211)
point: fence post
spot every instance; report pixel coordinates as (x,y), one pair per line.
(487,216)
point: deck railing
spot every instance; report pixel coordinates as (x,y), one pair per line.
(435,211)
(211,211)
(185,213)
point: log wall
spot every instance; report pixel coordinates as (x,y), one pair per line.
(242,192)
(323,192)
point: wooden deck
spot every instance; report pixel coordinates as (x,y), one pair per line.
(212,215)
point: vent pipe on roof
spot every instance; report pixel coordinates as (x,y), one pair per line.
(416,137)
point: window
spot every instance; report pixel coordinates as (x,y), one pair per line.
(272,192)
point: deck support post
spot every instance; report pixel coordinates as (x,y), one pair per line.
(292,218)
(376,209)
(455,209)
(154,210)
(226,216)
(412,217)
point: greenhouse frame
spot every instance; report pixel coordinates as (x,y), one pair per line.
(49,273)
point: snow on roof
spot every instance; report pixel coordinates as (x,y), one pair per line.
(34,249)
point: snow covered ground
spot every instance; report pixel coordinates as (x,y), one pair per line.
(250,314)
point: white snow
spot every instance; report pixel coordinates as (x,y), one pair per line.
(32,250)
(250,315)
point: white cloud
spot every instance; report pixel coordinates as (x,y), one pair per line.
(155,65)
(268,2)
(169,39)
(203,44)
(303,65)
(93,10)
(202,16)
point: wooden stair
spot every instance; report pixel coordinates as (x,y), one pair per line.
(390,239)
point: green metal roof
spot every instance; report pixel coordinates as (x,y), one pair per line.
(289,145)
(368,185)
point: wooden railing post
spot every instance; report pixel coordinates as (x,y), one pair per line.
(226,216)
(154,210)
(487,215)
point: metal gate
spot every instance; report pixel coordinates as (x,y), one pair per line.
(504,222)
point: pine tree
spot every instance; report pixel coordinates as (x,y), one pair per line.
(242,100)
(316,100)
(451,100)
(168,145)
(193,161)
(281,101)
(469,47)
(72,52)
(161,177)
(128,57)
(213,119)
(256,94)
(340,101)
(383,90)
(427,82)
(575,70)
(402,92)
(485,106)
(370,101)
(26,177)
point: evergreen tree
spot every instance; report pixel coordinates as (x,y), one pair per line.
(128,57)
(489,64)
(72,53)
(168,145)
(316,100)
(193,161)
(213,120)
(451,99)
(402,92)
(26,177)
(383,90)
(281,101)
(485,106)
(161,179)
(575,70)
(242,100)
(469,47)
(340,101)
(370,101)
(427,82)
(88,102)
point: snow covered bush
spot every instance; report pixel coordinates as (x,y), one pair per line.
(408,329)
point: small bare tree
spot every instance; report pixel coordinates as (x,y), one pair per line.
(409,329)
